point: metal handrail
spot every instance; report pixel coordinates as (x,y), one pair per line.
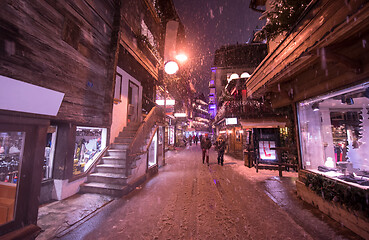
(138,146)
(89,169)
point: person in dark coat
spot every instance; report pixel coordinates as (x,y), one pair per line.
(205,146)
(220,146)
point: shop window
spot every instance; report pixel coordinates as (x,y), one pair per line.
(153,150)
(171,135)
(334,135)
(238,135)
(89,143)
(11,153)
(49,152)
(160,135)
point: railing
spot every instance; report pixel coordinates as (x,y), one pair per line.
(91,167)
(244,109)
(138,146)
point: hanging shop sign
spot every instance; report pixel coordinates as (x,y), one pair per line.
(231,121)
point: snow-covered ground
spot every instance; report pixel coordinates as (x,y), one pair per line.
(190,200)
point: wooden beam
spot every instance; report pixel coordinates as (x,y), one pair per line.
(312,33)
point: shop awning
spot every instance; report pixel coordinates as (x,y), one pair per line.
(303,47)
(24,97)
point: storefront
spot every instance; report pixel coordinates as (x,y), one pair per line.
(334,135)
(321,70)
(22,142)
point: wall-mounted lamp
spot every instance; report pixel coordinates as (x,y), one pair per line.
(315,107)
(349,101)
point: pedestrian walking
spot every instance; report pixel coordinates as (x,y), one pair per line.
(196,139)
(220,146)
(205,146)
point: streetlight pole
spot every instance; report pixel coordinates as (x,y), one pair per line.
(165,121)
(170,67)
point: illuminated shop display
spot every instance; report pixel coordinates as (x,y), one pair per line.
(11,153)
(89,142)
(49,152)
(334,135)
(265,150)
(171,135)
(11,147)
(153,151)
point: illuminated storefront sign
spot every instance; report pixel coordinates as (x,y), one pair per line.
(231,121)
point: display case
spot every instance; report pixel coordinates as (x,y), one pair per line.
(11,152)
(89,142)
(334,135)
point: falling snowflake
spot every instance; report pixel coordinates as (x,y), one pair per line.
(211,14)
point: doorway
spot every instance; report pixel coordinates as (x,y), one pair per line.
(133,99)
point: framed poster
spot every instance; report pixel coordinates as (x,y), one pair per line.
(265,152)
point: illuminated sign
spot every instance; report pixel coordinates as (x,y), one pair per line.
(169,102)
(265,150)
(180,114)
(231,121)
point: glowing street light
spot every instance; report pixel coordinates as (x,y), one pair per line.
(181,57)
(171,67)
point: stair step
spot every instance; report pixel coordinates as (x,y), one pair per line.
(110,175)
(112,160)
(108,178)
(111,168)
(121,146)
(123,139)
(103,188)
(121,153)
(131,128)
(127,134)
(134,124)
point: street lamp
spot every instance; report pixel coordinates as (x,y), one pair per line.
(181,57)
(171,67)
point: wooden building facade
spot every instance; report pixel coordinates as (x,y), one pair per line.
(73,75)
(321,70)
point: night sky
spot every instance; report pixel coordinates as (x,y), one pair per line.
(211,24)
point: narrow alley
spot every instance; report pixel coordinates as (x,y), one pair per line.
(190,200)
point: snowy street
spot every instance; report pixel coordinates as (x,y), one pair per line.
(190,200)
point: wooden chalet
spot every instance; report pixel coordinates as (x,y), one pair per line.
(77,78)
(321,69)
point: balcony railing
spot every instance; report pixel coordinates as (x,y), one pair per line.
(245,109)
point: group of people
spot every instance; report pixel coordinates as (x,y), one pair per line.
(191,139)
(220,146)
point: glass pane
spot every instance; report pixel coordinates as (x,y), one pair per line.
(89,142)
(334,132)
(153,151)
(11,152)
(49,152)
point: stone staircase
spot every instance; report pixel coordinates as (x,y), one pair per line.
(109,177)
